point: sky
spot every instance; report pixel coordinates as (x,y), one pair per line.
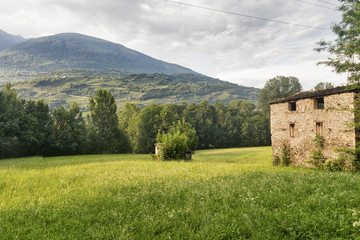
(231,47)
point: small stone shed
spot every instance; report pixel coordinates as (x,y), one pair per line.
(297,119)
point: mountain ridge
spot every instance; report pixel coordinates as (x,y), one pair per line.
(8,40)
(66,51)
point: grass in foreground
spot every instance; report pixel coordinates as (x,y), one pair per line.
(222,194)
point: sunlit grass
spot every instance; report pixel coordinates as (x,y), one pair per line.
(222,194)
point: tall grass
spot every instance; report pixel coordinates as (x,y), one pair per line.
(222,194)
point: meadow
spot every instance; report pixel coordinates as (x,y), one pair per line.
(221,194)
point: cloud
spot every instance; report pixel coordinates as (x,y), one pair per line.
(213,43)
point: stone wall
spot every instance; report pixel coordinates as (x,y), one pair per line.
(336,119)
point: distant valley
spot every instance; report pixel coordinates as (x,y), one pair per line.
(63,88)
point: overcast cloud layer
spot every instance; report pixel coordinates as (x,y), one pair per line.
(233,48)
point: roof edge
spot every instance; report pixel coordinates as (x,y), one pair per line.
(315,94)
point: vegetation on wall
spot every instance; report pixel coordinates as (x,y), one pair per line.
(346,160)
(285,158)
(317,158)
(285,155)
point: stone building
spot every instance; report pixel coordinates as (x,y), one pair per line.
(297,119)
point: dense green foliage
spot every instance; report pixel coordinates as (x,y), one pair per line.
(25,126)
(148,124)
(180,138)
(346,47)
(62,88)
(29,127)
(69,131)
(221,194)
(233,125)
(105,135)
(76,51)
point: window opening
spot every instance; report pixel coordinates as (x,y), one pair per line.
(292,106)
(319,103)
(319,128)
(292,129)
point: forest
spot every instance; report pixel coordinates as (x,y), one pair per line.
(30,127)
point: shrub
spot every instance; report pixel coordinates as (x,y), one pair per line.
(285,155)
(276,161)
(174,144)
(317,159)
(347,160)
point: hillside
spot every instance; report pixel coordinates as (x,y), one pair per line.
(75,51)
(62,88)
(8,40)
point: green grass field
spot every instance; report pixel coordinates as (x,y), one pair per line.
(222,194)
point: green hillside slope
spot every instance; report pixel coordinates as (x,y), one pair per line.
(76,51)
(62,88)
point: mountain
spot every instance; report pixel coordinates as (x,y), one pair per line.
(8,40)
(71,67)
(75,51)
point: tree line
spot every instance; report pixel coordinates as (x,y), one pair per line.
(29,127)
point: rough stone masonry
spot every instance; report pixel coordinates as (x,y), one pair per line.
(295,121)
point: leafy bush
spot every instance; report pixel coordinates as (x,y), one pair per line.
(317,159)
(276,161)
(174,144)
(347,159)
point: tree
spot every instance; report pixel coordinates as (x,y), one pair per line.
(204,119)
(36,128)
(149,123)
(171,113)
(277,87)
(104,133)
(128,121)
(69,131)
(11,113)
(345,49)
(174,144)
(323,85)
